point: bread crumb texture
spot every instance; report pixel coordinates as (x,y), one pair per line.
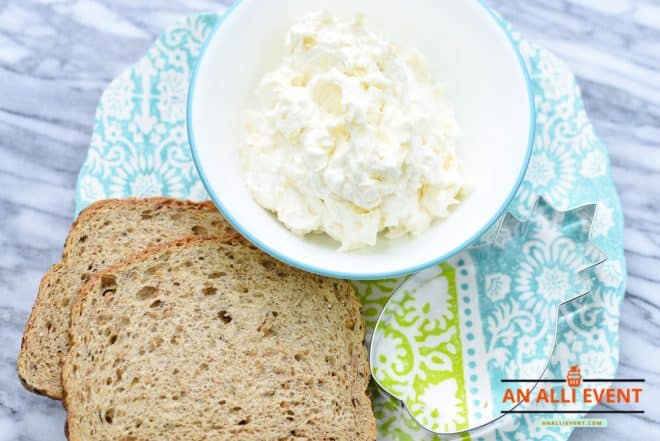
(104,233)
(206,339)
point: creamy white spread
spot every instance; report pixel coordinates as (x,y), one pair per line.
(351,137)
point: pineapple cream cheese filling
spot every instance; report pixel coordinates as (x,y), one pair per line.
(351,137)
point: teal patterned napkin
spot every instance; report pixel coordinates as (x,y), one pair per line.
(139,148)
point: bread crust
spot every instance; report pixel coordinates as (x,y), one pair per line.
(23,355)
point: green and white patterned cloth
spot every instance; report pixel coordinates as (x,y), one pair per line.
(139,148)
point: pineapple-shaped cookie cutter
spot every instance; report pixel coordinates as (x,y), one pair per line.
(453,337)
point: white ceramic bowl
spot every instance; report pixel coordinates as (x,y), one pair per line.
(465,46)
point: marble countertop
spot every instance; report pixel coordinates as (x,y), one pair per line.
(56,56)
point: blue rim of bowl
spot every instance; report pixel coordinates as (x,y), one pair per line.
(361,276)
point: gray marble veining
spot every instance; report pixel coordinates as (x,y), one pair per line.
(56,56)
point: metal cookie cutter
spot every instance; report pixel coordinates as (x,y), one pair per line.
(450,334)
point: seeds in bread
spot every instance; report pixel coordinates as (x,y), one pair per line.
(204,339)
(104,233)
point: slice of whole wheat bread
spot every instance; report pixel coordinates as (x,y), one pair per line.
(104,233)
(209,339)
